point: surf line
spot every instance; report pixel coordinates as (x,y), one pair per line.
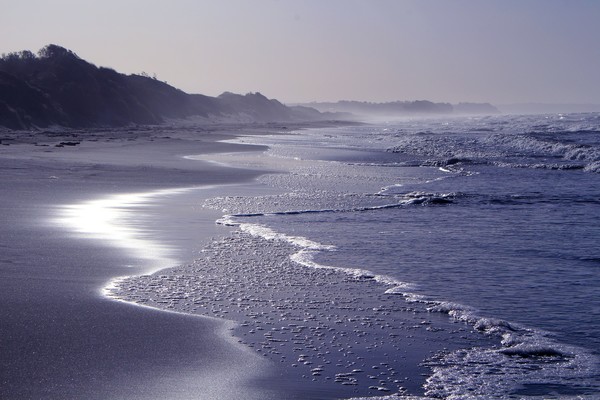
(308,249)
(515,339)
(115,220)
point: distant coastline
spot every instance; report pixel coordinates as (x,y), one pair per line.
(425,107)
(402,108)
(55,87)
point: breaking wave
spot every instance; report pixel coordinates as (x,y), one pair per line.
(523,355)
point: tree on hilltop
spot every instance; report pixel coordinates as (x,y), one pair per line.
(54,51)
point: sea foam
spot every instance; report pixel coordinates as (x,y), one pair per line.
(522,355)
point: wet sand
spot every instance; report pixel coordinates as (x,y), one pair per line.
(240,319)
(59,337)
(343,335)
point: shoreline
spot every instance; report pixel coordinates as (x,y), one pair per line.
(274,321)
(134,176)
(195,289)
(281,317)
(42,175)
(118,221)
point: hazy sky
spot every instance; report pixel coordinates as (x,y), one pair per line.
(500,51)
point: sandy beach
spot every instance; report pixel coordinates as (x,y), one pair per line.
(60,337)
(117,283)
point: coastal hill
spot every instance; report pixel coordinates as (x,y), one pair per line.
(56,87)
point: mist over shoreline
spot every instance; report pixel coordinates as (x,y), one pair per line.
(58,88)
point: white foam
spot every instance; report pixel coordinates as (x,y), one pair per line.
(309,249)
(593,167)
(525,355)
(465,373)
(270,234)
(479,373)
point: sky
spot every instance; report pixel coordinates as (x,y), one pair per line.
(498,51)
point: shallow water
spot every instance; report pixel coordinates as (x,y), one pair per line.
(494,221)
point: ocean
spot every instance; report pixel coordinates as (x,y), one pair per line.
(487,224)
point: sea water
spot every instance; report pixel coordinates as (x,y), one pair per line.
(493,221)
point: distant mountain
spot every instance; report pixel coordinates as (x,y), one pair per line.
(258,108)
(56,87)
(403,108)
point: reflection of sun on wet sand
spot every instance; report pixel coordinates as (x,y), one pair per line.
(59,337)
(115,219)
(341,333)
